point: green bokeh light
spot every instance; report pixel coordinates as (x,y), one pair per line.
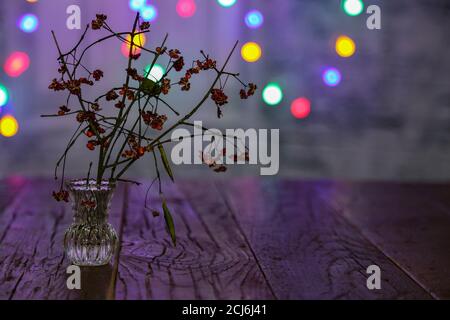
(156,73)
(4,96)
(272,94)
(353,7)
(226,3)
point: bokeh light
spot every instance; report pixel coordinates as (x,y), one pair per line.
(32,1)
(125,49)
(226,3)
(272,94)
(301,108)
(28,23)
(353,7)
(148,12)
(254,19)
(16,64)
(251,52)
(16,180)
(138,40)
(4,96)
(156,73)
(8,126)
(331,77)
(136,5)
(345,46)
(186,8)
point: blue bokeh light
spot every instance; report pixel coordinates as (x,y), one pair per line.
(254,19)
(136,5)
(28,23)
(332,77)
(149,12)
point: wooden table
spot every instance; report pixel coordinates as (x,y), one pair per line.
(250,238)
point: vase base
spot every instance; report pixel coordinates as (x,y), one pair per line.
(90,264)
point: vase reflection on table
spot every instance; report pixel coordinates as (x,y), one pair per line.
(90,240)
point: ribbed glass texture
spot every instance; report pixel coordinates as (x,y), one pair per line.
(90,240)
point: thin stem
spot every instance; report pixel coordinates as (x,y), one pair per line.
(59,115)
(130,181)
(89,173)
(128,110)
(72,140)
(173,110)
(114,35)
(104,150)
(187,116)
(61,58)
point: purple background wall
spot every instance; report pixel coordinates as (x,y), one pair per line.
(388,119)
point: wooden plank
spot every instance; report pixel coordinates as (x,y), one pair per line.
(409,222)
(306,249)
(219,222)
(211,259)
(32,261)
(9,189)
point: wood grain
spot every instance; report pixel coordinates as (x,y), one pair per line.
(9,189)
(410,223)
(242,239)
(306,249)
(32,261)
(211,260)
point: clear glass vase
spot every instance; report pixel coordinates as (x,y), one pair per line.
(90,240)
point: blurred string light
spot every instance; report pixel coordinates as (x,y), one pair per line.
(4,96)
(136,5)
(148,12)
(186,8)
(156,73)
(272,94)
(8,126)
(125,49)
(301,108)
(32,1)
(331,77)
(138,40)
(28,23)
(254,19)
(353,7)
(345,46)
(16,64)
(251,52)
(226,3)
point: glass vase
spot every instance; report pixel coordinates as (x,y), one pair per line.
(90,240)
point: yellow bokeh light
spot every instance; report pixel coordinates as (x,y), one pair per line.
(345,46)
(138,40)
(32,1)
(251,52)
(8,126)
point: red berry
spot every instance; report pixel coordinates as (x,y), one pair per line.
(90,146)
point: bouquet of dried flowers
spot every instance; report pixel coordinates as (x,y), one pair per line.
(138,126)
